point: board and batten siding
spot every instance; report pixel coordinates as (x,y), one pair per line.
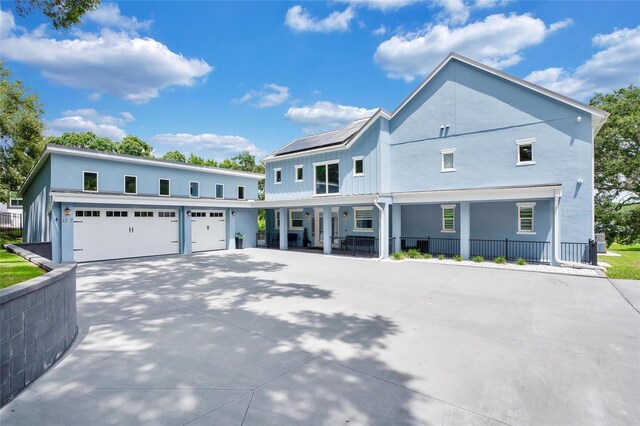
(36,206)
(366,146)
(67,175)
(486,115)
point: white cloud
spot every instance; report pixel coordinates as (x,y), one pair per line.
(498,41)
(116,63)
(382,5)
(90,120)
(380,31)
(208,145)
(108,15)
(299,19)
(326,115)
(271,95)
(457,11)
(615,65)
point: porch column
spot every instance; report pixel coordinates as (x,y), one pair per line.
(284,222)
(384,231)
(326,229)
(465,229)
(231,241)
(397,226)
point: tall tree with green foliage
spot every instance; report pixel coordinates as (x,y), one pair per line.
(175,156)
(617,165)
(132,145)
(87,140)
(62,13)
(21,128)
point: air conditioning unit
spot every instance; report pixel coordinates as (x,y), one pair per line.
(601,243)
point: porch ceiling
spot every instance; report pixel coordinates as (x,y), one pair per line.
(480,194)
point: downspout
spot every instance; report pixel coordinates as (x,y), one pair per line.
(382,218)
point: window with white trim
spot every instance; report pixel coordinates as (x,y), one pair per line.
(296,220)
(526,218)
(525,152)
(363,219)
(164,187)
(90,181)
(130,185)
(358,166)
(277,224)
(15,202)
(447,160)
(241,192)
(277,175)
(299,173)
(327,178)
(448,217)
(219,190)
(194,189)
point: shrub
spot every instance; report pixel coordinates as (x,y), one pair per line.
(521,261)
(399,255)
(457,258)
(414,254)
(500,259)
(441,257)
(478,259)
(427,256)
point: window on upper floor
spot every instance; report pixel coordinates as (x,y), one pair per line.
(277,176)
(130,185)
(296,220)
(240,192)
(164,187)
(90,181)
(358,166)
(525,152)
(327,178)
(219,190)
(194,189)
(526,218)
(363,219)
(448,218)
(299,173)
(447,160)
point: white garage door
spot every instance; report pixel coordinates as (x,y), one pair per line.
(208,230)
(100,234)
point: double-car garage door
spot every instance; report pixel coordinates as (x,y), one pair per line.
(116,233)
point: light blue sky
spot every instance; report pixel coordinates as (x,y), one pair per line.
(215,78)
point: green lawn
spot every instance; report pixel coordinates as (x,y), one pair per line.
(626,267)
(13,268)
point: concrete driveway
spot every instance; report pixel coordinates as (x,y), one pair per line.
(269,337)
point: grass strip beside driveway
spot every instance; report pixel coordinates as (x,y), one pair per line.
(14,269)
(626,267)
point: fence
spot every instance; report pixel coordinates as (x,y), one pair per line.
(579,252)
(531,251)
(10,225)
(435,246)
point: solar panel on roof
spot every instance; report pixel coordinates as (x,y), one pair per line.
(319,140)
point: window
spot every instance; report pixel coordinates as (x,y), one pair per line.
(219,190)
(363,219)
(194,189)
(447,160)
(277,176)
(448,218)
(525,152)
(15,202)
(90,181)
(296,219)
(277,225)
(87,213)
(240,192)
(327,178)
(299,173)
(164,187)
(130,185)
(358,166)
(526,216)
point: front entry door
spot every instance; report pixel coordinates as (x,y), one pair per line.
(319,228)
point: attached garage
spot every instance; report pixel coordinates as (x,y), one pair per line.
(114,233)
(208,230)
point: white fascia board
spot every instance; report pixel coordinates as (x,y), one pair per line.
(316,202)
(488,194)
(65,197)
(34,171)
(149,161)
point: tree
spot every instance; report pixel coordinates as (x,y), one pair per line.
(132,145)
(617,165)
(21,128)
(63,14)
(86,140)
(175,156)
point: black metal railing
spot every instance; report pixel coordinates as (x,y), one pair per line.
(434,246)
(531,251)
(353,245)
(268,240)
(579,252)
(10,225)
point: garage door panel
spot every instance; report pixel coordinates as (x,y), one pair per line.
(208,230)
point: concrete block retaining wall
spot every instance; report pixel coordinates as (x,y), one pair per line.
(37,323)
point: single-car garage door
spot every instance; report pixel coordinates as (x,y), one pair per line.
(208,230)
(100,234)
